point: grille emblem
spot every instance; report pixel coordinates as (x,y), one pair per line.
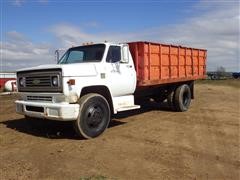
(36,81)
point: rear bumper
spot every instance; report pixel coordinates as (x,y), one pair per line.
(53,111)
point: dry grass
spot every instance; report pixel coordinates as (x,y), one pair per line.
(227,82)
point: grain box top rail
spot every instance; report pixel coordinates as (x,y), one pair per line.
(166,44)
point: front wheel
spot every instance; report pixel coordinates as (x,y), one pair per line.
(94,116)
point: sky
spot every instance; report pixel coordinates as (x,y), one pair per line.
(31,30)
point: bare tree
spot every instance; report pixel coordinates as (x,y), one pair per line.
(221,72)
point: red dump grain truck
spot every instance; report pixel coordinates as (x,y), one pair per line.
(93,81)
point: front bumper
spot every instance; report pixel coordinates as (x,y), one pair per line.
(53,111)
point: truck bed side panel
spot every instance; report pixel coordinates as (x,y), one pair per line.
(162,63)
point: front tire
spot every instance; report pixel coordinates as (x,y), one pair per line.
(94,116)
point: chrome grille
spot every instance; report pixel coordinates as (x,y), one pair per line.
(39,98)
(40,80)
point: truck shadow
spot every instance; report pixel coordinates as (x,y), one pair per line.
(64,130)
(146,106)
(47,128)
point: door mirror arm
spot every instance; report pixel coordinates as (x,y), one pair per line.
(125,52)
(57,56)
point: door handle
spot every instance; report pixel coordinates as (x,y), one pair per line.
(129,66)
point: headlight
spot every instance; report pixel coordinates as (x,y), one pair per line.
(22,81)
(55,81)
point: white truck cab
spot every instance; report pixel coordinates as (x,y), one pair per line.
(88,84)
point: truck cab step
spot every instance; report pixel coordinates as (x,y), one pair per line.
(126,108)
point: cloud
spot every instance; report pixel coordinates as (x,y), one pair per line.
(43,1)
(215,28)
(92,24)
(18,52)
(68,35)
(210,25)
(18,2)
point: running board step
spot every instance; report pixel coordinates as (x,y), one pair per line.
(126,108)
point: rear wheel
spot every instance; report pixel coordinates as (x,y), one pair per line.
(94,116)
(182,98)
(170,101)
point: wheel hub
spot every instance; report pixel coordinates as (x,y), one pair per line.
(185,98)
(95,116)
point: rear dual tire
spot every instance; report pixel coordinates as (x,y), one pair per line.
(170,100)
(180,99)
(94,116)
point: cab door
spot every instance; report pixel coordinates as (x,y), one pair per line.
(121,74)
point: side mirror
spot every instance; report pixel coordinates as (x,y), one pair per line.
(59,53)
(125,53)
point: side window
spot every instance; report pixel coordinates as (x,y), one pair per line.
(114,54)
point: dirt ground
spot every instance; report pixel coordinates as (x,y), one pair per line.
(151,143)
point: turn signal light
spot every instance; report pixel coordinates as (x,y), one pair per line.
(71,82)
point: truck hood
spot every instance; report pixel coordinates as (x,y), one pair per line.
(83,69)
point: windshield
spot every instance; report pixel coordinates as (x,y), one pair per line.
(82,54)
